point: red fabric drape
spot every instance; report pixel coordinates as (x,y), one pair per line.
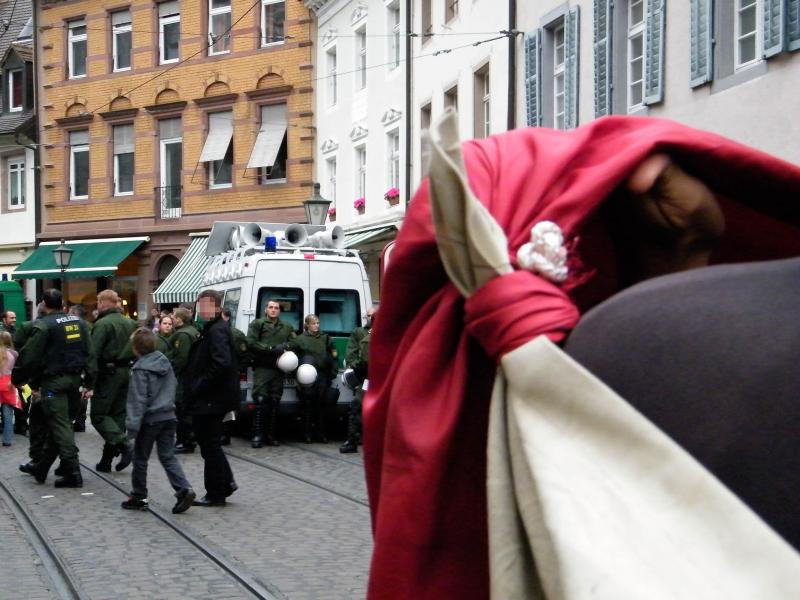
(432,358)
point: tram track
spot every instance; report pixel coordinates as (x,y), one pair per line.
(65,584)
(305,448)
(253,585)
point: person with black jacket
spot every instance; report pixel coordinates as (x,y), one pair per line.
(211,388)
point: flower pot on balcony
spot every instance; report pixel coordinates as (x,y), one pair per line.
(393,200)
(332,217)
(361,210)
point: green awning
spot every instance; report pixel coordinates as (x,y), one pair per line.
(184,281)
(351,240)
(90,258)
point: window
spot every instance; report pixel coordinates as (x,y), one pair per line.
(394,36)
(747,33)
(332,76)
(451,98)
(273,17)
(551,72)
(15,90)
(361,58)
(218,149)
(171,162)
(393,154)
(450,10)
(636,23)
(123,159)
(79,164)
(425,115)
(338,311)
(169,31)
(219,25)
(231,301)
(559,52)
(291,301)
(121,40)
(482,103)
(76,48)
(16,182)
(330,176)
(361,171)
(270,149)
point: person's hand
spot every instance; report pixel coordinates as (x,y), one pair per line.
(677,215)
(87,394)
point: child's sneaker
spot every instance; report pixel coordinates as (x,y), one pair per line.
(185,499)
(135,504)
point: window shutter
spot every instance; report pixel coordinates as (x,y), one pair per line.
(79,138)
(602,57)
(654,53)
(701,62)
(123,139)
(121,17)
(169,128)
(572,37)
(533,68)
(773,27)
(793,24)
(167,9)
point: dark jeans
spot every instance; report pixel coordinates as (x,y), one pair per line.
(208,430)
(162,434)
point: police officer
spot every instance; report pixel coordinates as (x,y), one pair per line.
(184,336)
(163,340)
(268,338)
(37,423)
(315,347)
(111,337)
(58,351)
(80,419)
(356,357)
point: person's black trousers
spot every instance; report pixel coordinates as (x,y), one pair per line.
(208,430)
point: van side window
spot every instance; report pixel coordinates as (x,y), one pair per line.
(339,311)
(231,301)
(291,301)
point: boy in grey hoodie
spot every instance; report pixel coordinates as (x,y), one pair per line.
(151,420)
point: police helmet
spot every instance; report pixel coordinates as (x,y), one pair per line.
(306,374)
(287,362)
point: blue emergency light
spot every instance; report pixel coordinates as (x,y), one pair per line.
(270,244)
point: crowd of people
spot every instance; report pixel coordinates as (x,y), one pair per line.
(171,382)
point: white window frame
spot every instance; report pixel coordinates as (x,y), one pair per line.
(330,178)
(12,76)
(635,30)
(394,37)
(486,103)
(73,150)
(16,165)
(264,41)
(450,10)
(162,22)
(72,39)
(162,158)
(115,31)
(332,64)
(117,191)
(216,12)
(393,158)
(361,171)
(559,75)
(756,33)
(361,58)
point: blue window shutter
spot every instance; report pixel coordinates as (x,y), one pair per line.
(571,42)
(533,71)
(654,52)
(602,57)
(701,35)
(773,27)
(793,24)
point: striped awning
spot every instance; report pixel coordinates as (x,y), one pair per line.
(184,281)
(352,240)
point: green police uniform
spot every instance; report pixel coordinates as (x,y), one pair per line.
(356,357)
(263,337)
(58,351)
(319,347)
(163,344)
(80,418)
(111,337)
(37,424)
(181,342)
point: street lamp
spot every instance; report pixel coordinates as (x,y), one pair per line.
(62,255)
(316,208)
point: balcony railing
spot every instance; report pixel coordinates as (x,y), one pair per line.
(168,199)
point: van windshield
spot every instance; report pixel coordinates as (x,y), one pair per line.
(339,311)
(291,301)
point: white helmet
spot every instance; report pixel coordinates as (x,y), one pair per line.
(306,374)
(350,379)
(287,362)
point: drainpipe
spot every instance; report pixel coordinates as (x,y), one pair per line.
(512,65)
(407,178)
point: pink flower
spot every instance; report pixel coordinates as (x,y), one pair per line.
(392,193)
(359,202)
(332,210)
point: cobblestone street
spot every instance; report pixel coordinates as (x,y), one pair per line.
(297,528)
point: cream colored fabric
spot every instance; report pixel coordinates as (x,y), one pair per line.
(587,498)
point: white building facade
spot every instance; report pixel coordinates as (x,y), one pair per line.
(728,66)
(360,98)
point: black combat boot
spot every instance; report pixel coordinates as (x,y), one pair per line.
(258,426)
(126,455)
(271,438)
(349,447)
(79,426)
(104,466)
(41,468)
(72,477)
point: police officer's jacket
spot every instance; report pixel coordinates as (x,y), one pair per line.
(111,337)
(263,336)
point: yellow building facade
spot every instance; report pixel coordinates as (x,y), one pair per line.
(158,119)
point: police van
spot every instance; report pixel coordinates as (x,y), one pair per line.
(305,267)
